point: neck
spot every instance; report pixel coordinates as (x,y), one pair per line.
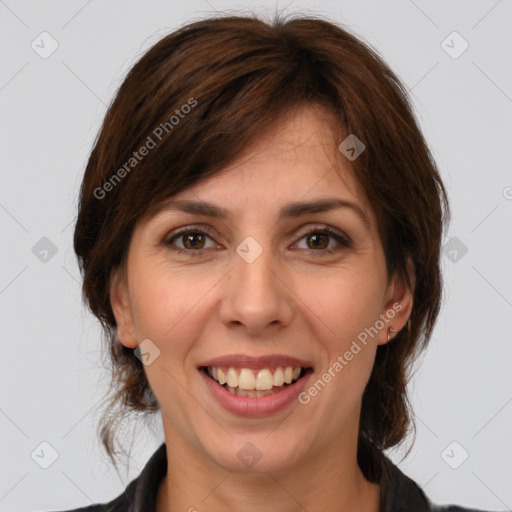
(330,480)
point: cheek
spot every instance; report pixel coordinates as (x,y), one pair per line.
(345,303)
(343,311)
(166,306)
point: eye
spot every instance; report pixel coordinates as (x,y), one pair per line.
(191,239)
(319,238)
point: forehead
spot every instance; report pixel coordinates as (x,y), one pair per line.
(292,169)
(299,150)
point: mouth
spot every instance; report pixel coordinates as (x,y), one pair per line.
(255,383)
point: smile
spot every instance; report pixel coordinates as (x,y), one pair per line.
(255,387)
(254,383)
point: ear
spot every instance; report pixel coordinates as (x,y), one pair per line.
(398,303)
(121,307)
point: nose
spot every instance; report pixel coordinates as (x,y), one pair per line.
(256,297)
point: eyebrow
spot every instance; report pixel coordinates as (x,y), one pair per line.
(291,210)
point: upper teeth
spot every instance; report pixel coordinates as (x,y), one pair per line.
(257,379)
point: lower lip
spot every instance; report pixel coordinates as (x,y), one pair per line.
(254,406)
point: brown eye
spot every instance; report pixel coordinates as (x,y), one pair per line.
(190,240)
(193,240)
(318,241)
(322,240)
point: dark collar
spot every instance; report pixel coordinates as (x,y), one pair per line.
(398,492)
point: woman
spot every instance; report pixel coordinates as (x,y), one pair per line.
(259,233)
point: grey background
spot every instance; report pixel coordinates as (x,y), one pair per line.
(51,375)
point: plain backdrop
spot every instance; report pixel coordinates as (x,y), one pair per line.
(51,107)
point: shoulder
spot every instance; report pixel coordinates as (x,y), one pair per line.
(91,508)
(120,504)
(142,490)
(456,508)
(123,503)
(401,493)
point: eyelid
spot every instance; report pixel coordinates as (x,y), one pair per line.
(200,227)
(318,226)
(175,233)
(336,233)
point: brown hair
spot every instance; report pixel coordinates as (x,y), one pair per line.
(238,74)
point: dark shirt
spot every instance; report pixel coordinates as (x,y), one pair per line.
(398,492)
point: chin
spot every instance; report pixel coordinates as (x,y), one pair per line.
(256,454)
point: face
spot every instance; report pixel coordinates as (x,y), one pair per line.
(270,284)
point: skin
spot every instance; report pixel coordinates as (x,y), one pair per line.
(294,299)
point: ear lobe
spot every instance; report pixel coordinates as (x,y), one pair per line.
(398,308)
(120,303)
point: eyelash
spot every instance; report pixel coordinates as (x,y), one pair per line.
(325,230)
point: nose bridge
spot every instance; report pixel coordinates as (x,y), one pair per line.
(254,278)
(256,298)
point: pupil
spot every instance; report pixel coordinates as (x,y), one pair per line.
(317,242)
(191,240)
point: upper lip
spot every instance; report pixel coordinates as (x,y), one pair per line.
(256,363)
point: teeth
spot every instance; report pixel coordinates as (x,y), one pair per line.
(232,378)
(278,377)
(263,380)
(251,393)
(246,379)
(254,382)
